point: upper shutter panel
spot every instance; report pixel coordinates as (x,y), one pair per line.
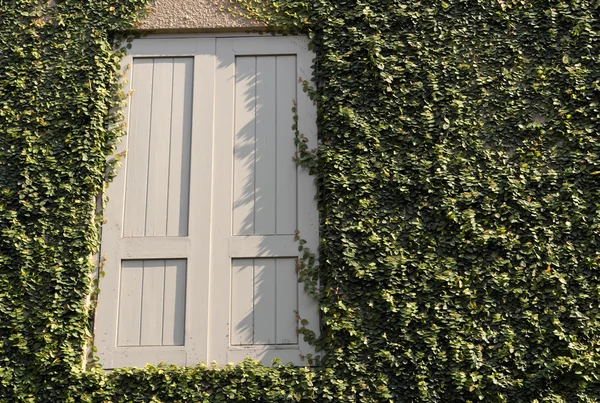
(158,156)
(265,182)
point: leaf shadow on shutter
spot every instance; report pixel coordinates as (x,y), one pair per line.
(264,282)
(265,177)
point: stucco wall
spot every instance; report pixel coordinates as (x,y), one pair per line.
(193,15)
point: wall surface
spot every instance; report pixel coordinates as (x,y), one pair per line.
(188,15)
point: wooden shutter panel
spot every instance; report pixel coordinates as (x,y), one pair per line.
(264,298)
(152,240)
(254,253)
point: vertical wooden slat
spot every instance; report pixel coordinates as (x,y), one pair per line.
(130,303)
(152,302)
(242,290)
(137,148)
(158,163)
(220,323)
(174,304)
(179,160)
(201,190)
(286,211)
(264,301)
(286,302)
(266,142)
(245,134)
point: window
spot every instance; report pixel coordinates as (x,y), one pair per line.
(200,223)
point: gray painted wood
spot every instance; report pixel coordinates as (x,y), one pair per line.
(153,289)
(222,220)
(242,296)
(180,148)
(186,181)
(157,190)
(201,198)
(244,146)
(286,301)
(173,331)
(138,147)
(286,185)
(258,98)
(262,246)
(265,194)
(158,154)
(152,303)
(264,301)
(130,303)
(265,199)
(265,320)
(265,146)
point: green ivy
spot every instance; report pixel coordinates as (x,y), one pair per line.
(59,86)
(459,193)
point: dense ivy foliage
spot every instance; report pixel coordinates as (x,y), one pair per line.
(59,80)
(459,193)
(459,185)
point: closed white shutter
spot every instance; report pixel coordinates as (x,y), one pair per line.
(155,240)
(254,288)
(200,261)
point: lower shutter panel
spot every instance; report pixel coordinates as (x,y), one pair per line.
(264,301)
(152,303)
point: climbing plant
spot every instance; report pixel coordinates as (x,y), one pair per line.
(59,90)
(459,188)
